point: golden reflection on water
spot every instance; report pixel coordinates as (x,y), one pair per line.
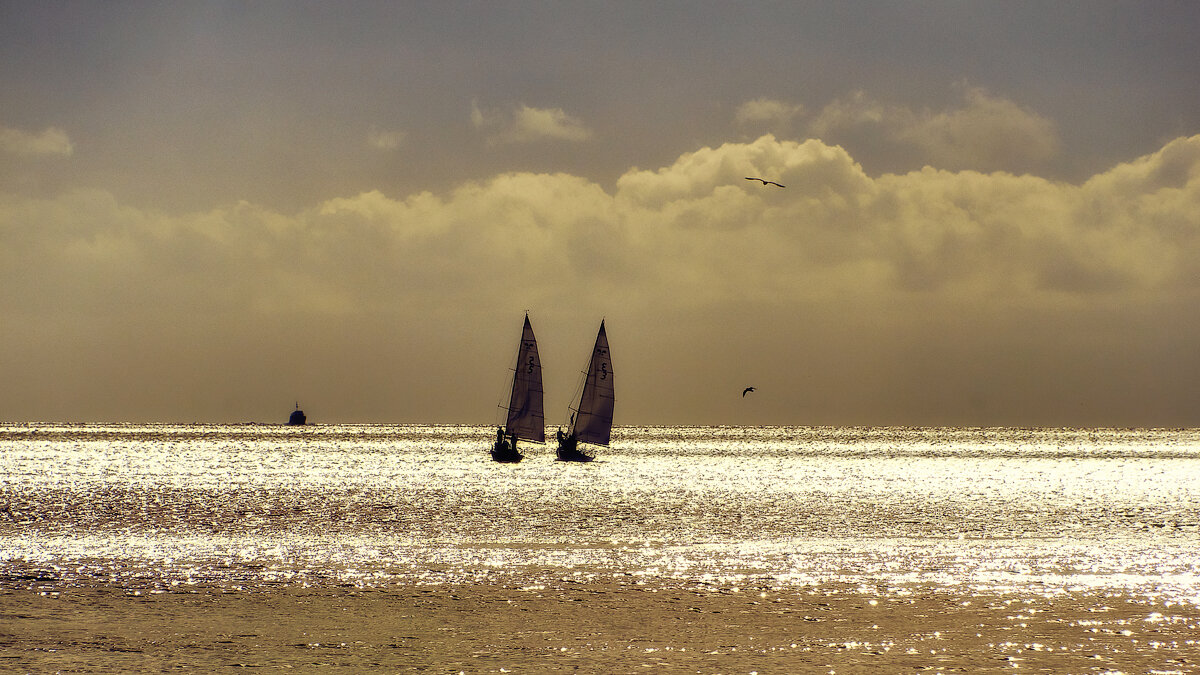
(1040,511)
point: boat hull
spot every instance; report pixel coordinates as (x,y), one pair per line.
(568,450)
(572,456)
(506,454)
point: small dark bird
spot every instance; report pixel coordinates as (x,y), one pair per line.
(747,390)
(764,181)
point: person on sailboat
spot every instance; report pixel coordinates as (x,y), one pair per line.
(565,442)
(502,443)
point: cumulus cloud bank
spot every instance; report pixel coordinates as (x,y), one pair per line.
(905,257)
(834,230)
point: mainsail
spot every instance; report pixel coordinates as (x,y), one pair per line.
(593,418)
(526,418)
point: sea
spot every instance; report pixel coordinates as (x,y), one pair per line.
(1030,511)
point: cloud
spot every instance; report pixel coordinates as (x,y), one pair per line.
(837,231)
(834,230)
(768,112)
(52,141)
(860,272)
(987,133)
(856,110)
(385,140)
(525,124)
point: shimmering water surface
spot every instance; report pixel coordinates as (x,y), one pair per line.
(987,509)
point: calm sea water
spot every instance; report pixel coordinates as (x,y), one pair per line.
(1031,510)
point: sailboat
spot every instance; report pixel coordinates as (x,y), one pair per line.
(526,419)
(591,421)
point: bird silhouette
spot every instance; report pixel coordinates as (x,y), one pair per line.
(747,390)
(764,181)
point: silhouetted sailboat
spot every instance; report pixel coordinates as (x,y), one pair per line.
(526,419)
(591,421)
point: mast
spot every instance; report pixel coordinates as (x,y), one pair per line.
(594,415)
(526,416)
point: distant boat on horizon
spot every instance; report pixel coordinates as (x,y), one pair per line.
(591,421)
(297,418)
(526,418)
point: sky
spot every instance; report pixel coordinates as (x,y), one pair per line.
(212,211)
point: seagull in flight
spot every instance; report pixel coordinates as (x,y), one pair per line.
(764,181)
(747,390)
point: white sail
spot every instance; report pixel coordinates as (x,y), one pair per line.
(593,418)
(526,417)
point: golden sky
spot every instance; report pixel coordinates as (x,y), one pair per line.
(991,212)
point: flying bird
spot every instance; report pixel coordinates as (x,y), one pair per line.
(747,390)
(764,181)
